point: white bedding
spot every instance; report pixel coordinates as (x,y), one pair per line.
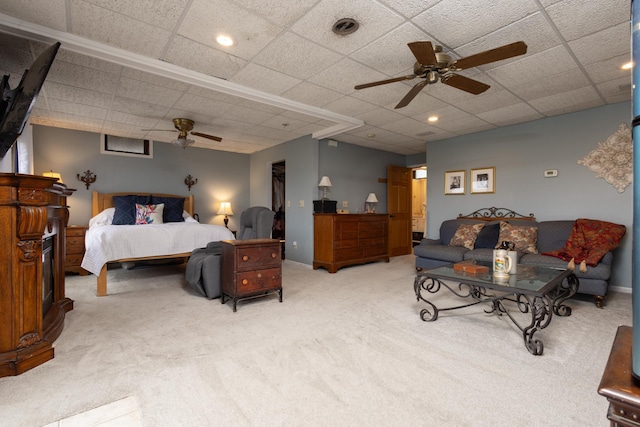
(105,242)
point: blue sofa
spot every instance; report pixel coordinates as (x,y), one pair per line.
(552,235)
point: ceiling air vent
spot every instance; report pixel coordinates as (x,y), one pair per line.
(345,26)
(427,133)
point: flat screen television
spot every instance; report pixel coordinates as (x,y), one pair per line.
(16,104)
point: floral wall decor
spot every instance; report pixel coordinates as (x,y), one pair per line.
(613,159)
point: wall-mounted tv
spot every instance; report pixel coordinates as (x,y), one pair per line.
(16,104)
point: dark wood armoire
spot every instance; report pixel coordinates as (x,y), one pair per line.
(33,217)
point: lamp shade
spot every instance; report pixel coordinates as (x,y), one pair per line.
(372,198)
(324,182)
(52,174)
(225,209)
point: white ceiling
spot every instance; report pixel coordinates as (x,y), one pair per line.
(131,65)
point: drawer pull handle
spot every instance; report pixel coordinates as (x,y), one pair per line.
(245,282)
(245,258)
(259,275)
(274,255)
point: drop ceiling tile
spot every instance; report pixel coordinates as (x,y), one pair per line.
(421,103)
(206,19)
(138,108)
(64,55)
(511,115)
(76,109)
(390,53)
(274,10)
(64,119)
(457,22)
(116,29)
(155,79)
(140,122)
(147,92)
(159,13)
(409,8)
(551,84)
(311,94)
(74,75)
(198,57)
(306,118)
(406,126)
(264,79)
(76,95)
(50,13)
(389,94)
(192,102)
(286,124)
(259,106)
(379,117)
(567,102)
(350,106)
(609,69)
(344,75)
(212,94)
(608,43)
(286,54)
(575,18)
(489,100)
(246,115)
(619,88)
(374,20)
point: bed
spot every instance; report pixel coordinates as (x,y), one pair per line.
(107,243)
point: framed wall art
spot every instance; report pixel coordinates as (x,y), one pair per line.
(454,182)
(483,180)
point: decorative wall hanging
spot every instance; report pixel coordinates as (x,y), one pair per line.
(613,159)
(88,178)
(190,182)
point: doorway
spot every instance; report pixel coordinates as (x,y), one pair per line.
(278,180)
(418,204)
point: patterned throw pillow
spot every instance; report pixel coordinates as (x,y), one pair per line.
(524,238)
(173,207)
(466,235)
(149,214)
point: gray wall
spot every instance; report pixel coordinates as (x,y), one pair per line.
(521,153)
(222,176)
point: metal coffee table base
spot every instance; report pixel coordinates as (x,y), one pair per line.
(540,307)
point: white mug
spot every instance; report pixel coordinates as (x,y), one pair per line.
(513,258)
(501,263)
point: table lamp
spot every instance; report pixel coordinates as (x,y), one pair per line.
(370,204)
(225,209)
(324,183)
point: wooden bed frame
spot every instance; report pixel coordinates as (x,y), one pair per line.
(102,201)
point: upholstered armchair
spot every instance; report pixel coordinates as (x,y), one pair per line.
(256,223)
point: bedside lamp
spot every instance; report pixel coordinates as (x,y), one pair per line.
(225,209)
(324,183)
(370,203)
(52,174)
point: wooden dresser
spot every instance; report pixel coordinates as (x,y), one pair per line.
(250,269)
(340,240)
(75,249)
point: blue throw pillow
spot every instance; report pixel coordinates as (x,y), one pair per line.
(173,208)
(125,213)
(488,236)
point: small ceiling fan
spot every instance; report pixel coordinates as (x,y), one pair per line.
(185,127)
(432,65)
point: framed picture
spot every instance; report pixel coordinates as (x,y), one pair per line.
(454,182)
(483,180)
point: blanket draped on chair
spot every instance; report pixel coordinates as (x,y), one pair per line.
(588,242)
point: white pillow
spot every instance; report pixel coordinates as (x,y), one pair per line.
(103,218)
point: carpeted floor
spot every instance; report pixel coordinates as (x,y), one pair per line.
(342,349)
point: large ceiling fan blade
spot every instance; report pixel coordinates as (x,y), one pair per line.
(424,53)
(497,54)
(384,82)
(464,83)
(204,135)
(415,90)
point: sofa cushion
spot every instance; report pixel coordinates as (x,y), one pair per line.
(441,252)
(523,237)
(466,235)
(482,255)
(552,235)
(488,236)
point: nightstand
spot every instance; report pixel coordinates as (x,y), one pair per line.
(250,269)
(75,250)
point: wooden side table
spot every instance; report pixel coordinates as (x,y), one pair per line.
(250,269)
(75,250)
(618,384)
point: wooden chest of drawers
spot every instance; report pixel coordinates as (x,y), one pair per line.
(340,240)
(251,268)
(75,250)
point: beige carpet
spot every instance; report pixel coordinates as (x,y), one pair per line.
(342,349)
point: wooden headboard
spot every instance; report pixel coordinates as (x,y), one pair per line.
(493,214)
(102,201)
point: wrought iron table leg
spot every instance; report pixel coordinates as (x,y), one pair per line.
(563,293)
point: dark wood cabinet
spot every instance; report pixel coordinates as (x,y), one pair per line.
(340,240)
(250,269)
(75,249)
(33,219)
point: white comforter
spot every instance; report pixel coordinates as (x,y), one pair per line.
(105,243)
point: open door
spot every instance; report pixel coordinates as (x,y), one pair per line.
(399,182)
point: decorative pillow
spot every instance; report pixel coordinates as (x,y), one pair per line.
(125,213)
(466,235)
(488,236)
(103,218)
(149,214)
(173,207)
(523,237)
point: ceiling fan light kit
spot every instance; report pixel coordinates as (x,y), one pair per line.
(432,65)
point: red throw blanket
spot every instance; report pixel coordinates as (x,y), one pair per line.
(589,241)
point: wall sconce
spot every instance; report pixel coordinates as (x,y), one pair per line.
(88,178)
(324,183)
(52,174)
(225,209)
(189,182)
(370,203)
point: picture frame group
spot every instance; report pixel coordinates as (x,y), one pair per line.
(481,181)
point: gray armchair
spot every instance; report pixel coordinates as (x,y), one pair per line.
(256,223)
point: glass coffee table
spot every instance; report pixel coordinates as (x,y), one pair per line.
(537,292)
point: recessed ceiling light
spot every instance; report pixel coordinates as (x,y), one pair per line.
(371,135)
(433,118)
(225,40)
(627,66)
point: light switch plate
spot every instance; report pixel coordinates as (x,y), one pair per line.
(550,173)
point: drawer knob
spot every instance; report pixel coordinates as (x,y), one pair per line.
(274,255)
(259,275)
(245,258)
(245,282)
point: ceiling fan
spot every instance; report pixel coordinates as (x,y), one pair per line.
(433,65)
(185,127)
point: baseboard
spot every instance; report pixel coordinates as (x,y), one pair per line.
(288,261)
(621,289)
